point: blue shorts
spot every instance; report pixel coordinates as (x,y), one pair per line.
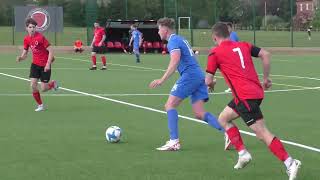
(195,88)
(136,48)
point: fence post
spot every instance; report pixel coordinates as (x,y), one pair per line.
(13,25)
(291,14)
(254,21)
(191,27)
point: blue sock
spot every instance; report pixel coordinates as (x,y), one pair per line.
(138,57)
(173,123)
(213,121)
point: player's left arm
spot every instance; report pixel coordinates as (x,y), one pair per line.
(266,64)
(211,70)
(102,40)
(174,61)
(131,39)
(140,40)
(50,59)
(23,55)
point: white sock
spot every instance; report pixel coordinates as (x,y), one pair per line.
(242,152)
(288,162)
(174,140)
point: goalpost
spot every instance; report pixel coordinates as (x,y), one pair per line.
(181,19)
(182,23)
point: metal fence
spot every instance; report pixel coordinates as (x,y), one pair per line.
(255,21)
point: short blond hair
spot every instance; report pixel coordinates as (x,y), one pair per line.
(167,22)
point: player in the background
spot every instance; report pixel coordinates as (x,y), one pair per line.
(98,47)
(136,40)
(234,61)
(233,35)
(78,46)
(190,84)
(309,32)
(42,57)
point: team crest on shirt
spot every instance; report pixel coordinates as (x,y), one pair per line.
(42,17)
(174,88)
(34,45)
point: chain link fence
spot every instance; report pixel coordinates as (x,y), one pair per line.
(282,23)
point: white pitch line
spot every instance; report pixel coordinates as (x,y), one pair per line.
(141,94)
(124,65)
(275,75)
(82,69)
(288,76)
(159,111)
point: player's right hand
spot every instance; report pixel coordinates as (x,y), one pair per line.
(19,58)
(210,84)
(267,83)
(155,83)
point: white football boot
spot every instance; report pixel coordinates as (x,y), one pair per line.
(227,90)
(40,108)
(171,145)
(244,159)
(292,171)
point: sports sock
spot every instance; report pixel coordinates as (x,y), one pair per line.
(104,60)
(173,123)
(278,150)
(138,57)
(94,61)
(37,97)
(235,138)
(212,121)
(288,162)
(51,85)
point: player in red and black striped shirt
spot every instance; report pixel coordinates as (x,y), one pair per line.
(234,61)
(41,61)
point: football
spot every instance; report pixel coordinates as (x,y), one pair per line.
(113,134)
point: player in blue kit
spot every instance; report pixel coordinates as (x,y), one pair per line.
(191,83)
(136,38)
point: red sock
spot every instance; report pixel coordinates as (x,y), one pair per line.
(36,96)
(235,138)
(104,60)
(278,150)
(94,60)
(51,85)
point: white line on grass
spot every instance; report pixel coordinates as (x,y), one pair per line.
(141,94)
(159,111)
(141,67)
(81,69)
(123,65)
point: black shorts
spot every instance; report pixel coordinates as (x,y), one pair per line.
(99,49)
(249,110)
(38,73)
(78,50)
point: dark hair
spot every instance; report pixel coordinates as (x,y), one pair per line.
(31,21)
(134,25)
(220,30)
(229,24)
(167,22)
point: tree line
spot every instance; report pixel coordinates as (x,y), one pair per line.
(205,11)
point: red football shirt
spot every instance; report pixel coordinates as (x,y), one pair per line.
(78,43)
(236,65)
(98,34)
(38,45)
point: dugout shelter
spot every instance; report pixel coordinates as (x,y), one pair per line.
(118,34)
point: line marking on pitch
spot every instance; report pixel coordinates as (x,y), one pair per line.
(162,112)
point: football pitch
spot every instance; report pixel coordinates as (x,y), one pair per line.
(67,141)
